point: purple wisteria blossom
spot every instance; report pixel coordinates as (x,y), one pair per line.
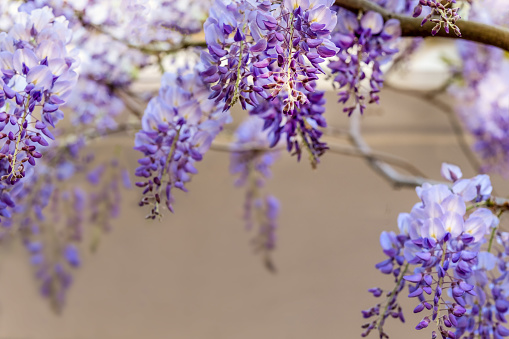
(267,55)
(444,252)
(482,98)
(37,78)
(251,161)
(364,45)
(301,131)
(177,129)
(51,215)
(244,40)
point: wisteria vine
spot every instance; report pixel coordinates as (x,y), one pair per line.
(69,72)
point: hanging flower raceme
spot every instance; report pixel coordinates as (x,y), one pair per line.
(252,162)
(177,129)
(267,55)
(51,213)
(443,238)
(482,100)
(365,44)
(301,130)
(244,39)
(37,78)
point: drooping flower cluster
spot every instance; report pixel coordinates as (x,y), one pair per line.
(177,129)
(37,78)
(116,40)
(52,212)
(483,108)
(243,40)
(302,130)
(251,161)
(267,55)
(364,45)
(444,238)
(482,97)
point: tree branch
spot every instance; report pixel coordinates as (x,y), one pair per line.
(411,27)
(227,146)
(394,177)
(384,169)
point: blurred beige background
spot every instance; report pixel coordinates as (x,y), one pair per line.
(195,276)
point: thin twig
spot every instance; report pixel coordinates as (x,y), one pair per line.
(144,49)
(130,102)
(226,145)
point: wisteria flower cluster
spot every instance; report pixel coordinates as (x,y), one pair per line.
(251,162)
(268,56)
(445,251)
(177,129)
(37,77)
(482,98)
(53,238)
(365,43)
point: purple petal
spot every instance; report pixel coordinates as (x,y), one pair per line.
(372,21)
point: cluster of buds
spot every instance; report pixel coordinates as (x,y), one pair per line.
(447,15)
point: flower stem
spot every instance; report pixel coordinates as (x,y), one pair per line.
(18,140)
(389,301)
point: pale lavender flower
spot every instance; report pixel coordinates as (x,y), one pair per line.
(364,44)
(177,129)
(37,78)
(442,239)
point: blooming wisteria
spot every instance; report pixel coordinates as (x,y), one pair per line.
(251,163)
(450,252)
(268,57)
(177,129)
(483,100)
(171,74)
(364,44)
(37,77)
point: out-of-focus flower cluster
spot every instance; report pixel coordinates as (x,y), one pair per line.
(116,40)
(50,209)
(452,254)
(251,161)
(177,129)
(482,99)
